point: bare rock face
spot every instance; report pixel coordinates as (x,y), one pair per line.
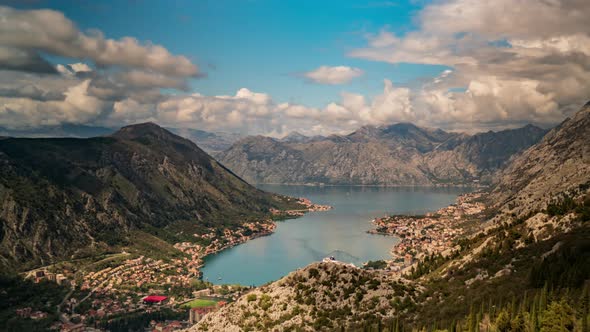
(321,296)
(65,196)
(558,164)
(401,154)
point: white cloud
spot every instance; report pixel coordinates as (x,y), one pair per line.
(333,75)
(51,32)
(77,107)
(500,77)
(519,61)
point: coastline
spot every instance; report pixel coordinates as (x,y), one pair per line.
(265,231)
(431,234)
(464,185)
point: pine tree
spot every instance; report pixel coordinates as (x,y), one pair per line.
(543,298)
(471,327)
(534,318)
(503,321)
(585,307)
(559,316)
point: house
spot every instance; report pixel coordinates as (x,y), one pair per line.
(196,314)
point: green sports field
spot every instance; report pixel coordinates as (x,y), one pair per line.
(198,303)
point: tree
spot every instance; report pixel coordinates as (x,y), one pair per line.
(559,317)
(503,321)
(519,323)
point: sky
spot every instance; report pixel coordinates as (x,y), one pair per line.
(275,66)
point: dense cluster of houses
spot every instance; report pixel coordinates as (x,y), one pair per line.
(116,290)
(431,234)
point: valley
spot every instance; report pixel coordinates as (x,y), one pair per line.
(309,257)
(295,166)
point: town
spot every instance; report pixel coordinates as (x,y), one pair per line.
(430,234)
(131,285)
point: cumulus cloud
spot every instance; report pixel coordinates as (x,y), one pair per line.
(518,61)
(51,32)
(77,107)
(333,75)
(144,79)
(257,113)
(506,69)
(24,60)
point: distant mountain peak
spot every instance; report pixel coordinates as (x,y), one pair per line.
(136,131)
(294,137)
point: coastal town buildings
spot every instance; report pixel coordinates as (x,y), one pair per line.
(430,234)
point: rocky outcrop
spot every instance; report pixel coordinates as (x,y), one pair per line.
(319,297)
(401,154)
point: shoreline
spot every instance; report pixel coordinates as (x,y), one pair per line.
(479,186)
(285,214)
(426,235)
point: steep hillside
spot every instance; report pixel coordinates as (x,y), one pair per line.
(320,297)
(558,164)
(61,197)
(400,154)
(533,251)
(212,143)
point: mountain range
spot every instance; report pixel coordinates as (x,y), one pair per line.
(69,197)
(399,154)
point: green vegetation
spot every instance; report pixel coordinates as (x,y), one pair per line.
(18,293)
(93,196)
(503,274)
(152,246)
(376,265)
(199,303)
(139,321)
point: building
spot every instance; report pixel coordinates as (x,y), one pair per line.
(196,314)
(155,299)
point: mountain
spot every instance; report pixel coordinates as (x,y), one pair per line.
(66,197)
(533,249)
(211,143)
(558,165)
(400,154)
(64,130)
(295,137)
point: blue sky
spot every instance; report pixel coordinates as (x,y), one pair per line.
(264,45)
(275,66)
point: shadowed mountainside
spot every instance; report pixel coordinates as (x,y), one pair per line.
(65,196)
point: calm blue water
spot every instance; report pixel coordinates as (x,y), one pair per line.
(340,232)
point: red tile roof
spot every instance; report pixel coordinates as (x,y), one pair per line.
(154,298)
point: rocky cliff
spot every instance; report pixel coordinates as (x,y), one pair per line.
(559,164)
(401,154)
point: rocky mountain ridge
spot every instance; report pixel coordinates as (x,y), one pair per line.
(400,154)
(559,164)
(210,142)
